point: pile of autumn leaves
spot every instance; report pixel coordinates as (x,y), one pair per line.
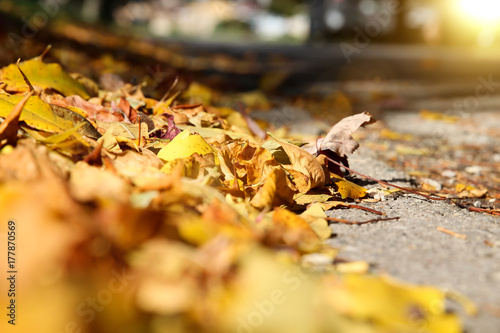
(157,216)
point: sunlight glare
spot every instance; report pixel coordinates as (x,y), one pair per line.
(482,10)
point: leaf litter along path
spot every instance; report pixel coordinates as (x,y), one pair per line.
(115,206)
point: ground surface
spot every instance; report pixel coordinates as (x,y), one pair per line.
(463,148)
(411,249)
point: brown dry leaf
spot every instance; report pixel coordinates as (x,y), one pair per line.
(245,166)
(126,130)
(305,164)
(339,138)
(76,101)
(131,162)
(129,111)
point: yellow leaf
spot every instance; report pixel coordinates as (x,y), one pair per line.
(315,216)
(57,138)
(306,199)
(391,306)
(36,113)
(190,167)
(184,145)
(45,117)
(407,150)
(348,189)
(43,75)
(437,116)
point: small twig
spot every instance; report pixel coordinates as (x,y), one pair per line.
(176,80)
(367,209)
(139,140)
(186,106)
(334,219)
(382,182)
(451,233)
(484,210)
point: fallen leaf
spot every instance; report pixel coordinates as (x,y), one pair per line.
(43,75)
(315,216)
(391,306)
(88,183)
(184,145)
(126,130)
(348,189)
(305,164)
(339,139)
(42,116)
(277,189)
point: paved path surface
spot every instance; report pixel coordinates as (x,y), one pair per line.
(412,250)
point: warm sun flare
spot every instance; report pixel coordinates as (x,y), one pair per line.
(483,10)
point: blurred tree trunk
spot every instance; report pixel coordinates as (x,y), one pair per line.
(318,29)
(98,10)
(90,10)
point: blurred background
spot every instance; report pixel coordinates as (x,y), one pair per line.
(451,22)
(290,47)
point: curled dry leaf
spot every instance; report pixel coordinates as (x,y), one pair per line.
(339,139)
(305,164)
